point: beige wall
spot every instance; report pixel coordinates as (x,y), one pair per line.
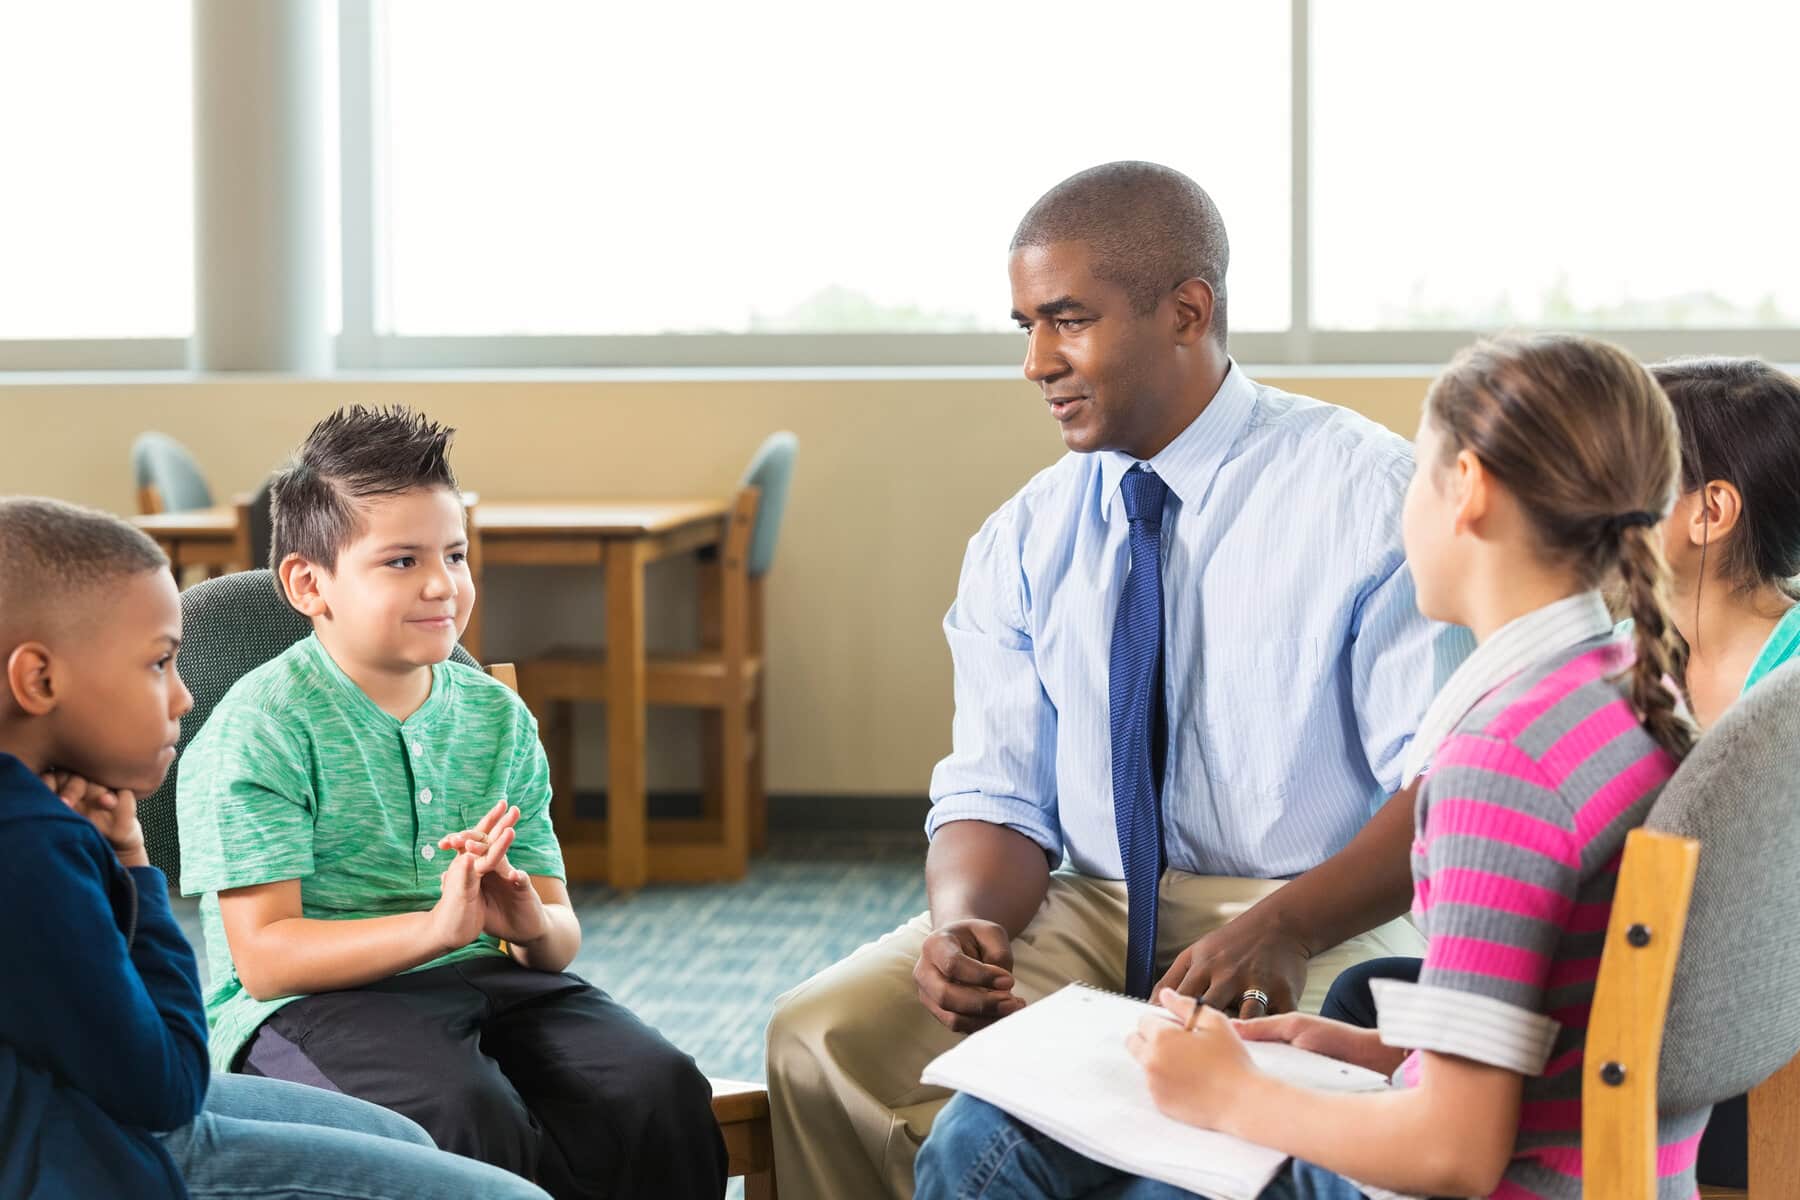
(893,477)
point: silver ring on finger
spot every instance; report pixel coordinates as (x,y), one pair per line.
(1256,994)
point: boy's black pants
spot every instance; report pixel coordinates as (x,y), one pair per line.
(542,1074)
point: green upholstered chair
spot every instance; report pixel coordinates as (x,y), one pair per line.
(234,624)
(229,627)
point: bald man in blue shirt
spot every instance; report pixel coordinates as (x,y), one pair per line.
(1188,663)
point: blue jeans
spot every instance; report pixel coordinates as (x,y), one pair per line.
(267,1138)
(978,1152)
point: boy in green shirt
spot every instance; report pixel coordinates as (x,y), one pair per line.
(385,911)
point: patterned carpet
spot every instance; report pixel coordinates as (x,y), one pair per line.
(705,963)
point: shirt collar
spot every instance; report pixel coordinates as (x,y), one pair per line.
(1189,463)
(371,712)
(1540,634)
(1783,644)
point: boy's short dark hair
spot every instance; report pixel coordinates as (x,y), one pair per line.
(353,454)
(52,552)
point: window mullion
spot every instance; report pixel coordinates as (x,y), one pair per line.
(360,193)
(1299,339)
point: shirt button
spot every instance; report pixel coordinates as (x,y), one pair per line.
(425,796)
(417,749)
(428,852)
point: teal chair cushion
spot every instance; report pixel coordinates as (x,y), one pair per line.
(771,471)
(159,461)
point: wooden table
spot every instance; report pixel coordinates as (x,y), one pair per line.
(621,537)
(200,537)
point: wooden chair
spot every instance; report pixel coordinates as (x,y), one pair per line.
(237,623)
(742,1111)
(166,476)
(724,679)
(1698,998)
(169,480)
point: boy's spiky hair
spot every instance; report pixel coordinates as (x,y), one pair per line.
(350,456)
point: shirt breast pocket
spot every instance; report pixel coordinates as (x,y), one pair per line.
(1251,713)
(481,791)
(477,804)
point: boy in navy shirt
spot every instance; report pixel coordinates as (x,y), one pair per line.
(103,1056)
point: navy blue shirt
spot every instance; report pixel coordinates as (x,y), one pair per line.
(102,1034)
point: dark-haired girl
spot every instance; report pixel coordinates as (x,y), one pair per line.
(1733,539)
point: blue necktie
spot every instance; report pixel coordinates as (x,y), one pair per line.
(1139,724)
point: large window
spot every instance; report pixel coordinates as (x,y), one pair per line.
(97,182)
(1599,164)
(808,182)
(563,167)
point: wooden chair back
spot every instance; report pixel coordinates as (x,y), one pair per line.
(1699,993)
(1625,1028)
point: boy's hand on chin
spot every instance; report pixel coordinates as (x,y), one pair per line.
(113,812)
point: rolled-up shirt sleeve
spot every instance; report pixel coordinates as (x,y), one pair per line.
(1497,874)
(1399,659)
(1002,764)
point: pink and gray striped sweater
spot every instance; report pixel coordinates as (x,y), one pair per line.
(1521,823)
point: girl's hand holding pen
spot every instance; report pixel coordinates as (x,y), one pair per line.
(1196,1069)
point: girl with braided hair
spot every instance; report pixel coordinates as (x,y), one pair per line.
(1544,467)
(1732,542)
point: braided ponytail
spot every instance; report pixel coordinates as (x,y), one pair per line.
(1660,653)
(1587,442)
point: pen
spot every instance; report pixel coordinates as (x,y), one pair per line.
(1187,1026)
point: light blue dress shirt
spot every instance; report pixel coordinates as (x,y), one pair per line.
(1296,665)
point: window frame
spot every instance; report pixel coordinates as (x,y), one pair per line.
(361,346)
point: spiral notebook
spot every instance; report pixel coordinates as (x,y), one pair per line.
(1060,1065)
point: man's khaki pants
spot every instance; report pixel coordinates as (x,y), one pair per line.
(847,1046)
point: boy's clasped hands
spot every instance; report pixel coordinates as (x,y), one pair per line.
(481,892)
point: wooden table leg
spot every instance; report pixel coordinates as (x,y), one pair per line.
(187,571)
(627,854)
(471,638)
(243,555)
(171,548)
(710,595)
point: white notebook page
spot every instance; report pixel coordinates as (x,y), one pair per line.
(1061,1066)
